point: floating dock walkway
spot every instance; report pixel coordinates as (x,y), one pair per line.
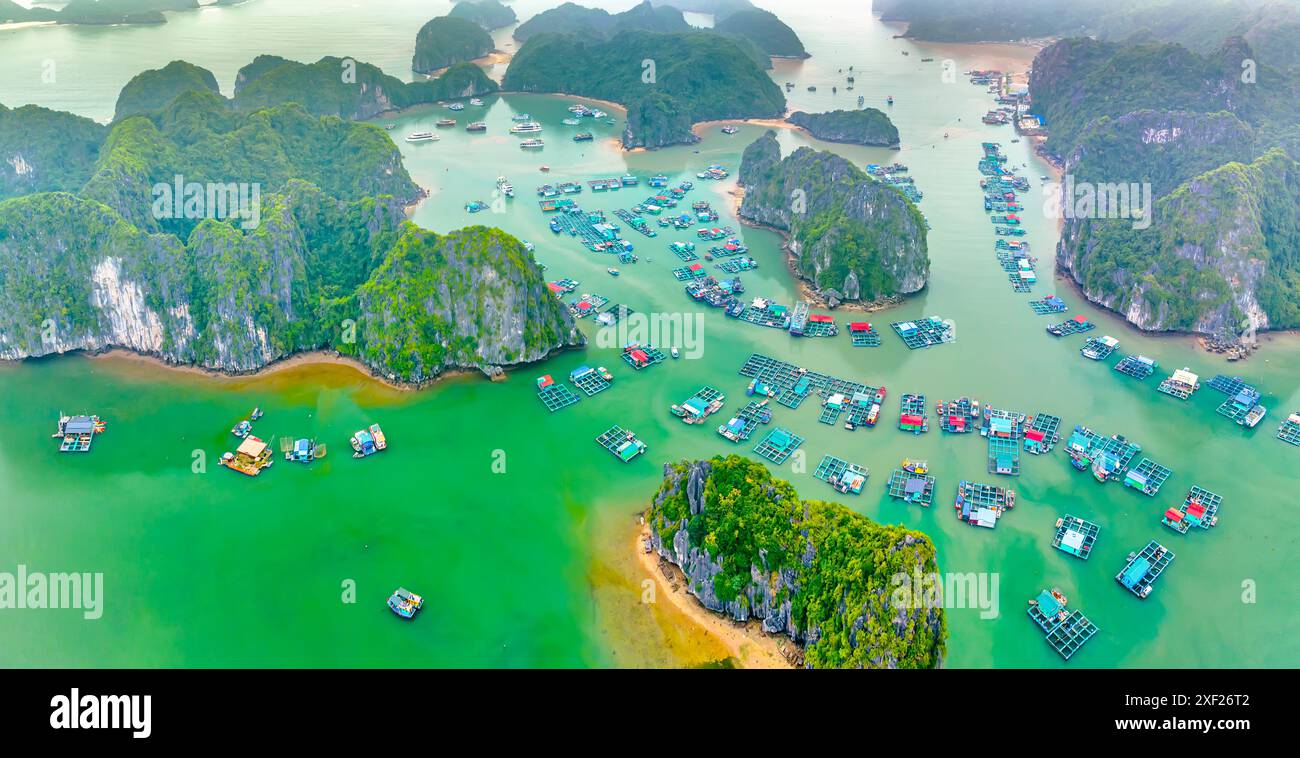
(1066,631)
(1200,509)
(1147,477)
(847,478)
(1137,366)
(1144,568)
(1074,536)
(911,482)
(778,445)
(621,443)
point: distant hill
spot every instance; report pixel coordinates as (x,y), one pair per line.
(764,29)
(447,40)
(571,18)
(489,14)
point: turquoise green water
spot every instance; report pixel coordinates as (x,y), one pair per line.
(530,567)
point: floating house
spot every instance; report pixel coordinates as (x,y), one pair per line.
(1066,631)
(405,604)
(1181,385)
(77,433)
(1144,568)
(301,451)
(1074,536)
(621,443)
(250,458)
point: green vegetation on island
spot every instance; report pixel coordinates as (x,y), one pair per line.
(348,88)
(691,77)
(853,239)
(448,40)
(571,18)
(46,151)
(764,29)
(840,584)
(152,90)
(867,126)
(489,14)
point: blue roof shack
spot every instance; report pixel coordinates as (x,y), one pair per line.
(1135,573)
(1005,464)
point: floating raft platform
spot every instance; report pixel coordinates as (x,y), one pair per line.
(1289,430)
(912,483)
(1228,385)
(1077,325)
(925,332)
(1242,404)
(690,273)
(684,250)
(863,334)
(1099,348)
(912,414)
(742,425)
(1180,385)
(982,504)
(832,407)
(639,357)
(1004,430)
(1108,455)
(1048,305)
(787,383)
(621,443)
(1074,536)
(955,416)
(614,314)
(847,478)
(591,381)
(1137,366)
(1200,509)
(778,445)
(820,325)
(704,403)
(765,313)
(1066,631)
(554,396)
(1144,568)
(738,265)
(76,434)
(1042,432)
(1147,477)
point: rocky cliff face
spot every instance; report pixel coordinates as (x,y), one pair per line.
(750,549)
(851,238)
(868,126)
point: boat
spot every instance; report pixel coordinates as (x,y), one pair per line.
(250,458)
(404,603)
(301,451)
(571,122)
(675,353)
(812,89)
(445,122)
(456,107)
(256,414)
(475,101)
(612,271)
(889,100)
(474,206)
(528,127)
(381,442)
(532,144)
(505,187)
(476,126)
(521,117)
(390,127)
(730,130)
(422,137)
(583,137)
(544,169)
(367,442)
(242,429)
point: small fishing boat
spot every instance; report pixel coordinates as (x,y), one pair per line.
(532,144)
(242,429)
(583,137)
(812,88)
(367,442)
(474,206)
(475,101)
(422,137)
(456,107)
(889,100)
(390,127)
(730,130)
(521,117)
(404,603)
(445,122)
(571,122)
(544,169)
(256,414)
(612,271)
(675,353)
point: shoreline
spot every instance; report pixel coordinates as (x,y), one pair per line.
(297,360)
(748,644)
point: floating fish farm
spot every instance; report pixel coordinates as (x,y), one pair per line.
(1144,568)
(1077,325)
(912,414)
(689,273)
(955,415)
(778,445)
(554,396)
(863,334)
(1242,403)
(926,332)
(1137,366)
(1180,385)
(982,504)
(639,357)
(1048,305)
(1066,631)
(621,443)
(1200,509)
(847,478)
(912,483)
(1099,348)
(591,381)
(1289,431)
(1074,536)
(1004,430)
(1108,456)
(742,425)
(1042,432)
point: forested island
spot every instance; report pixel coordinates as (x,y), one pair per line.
(446,41)
(103,12)
(489,14)
(815,571)
(131,236)
(693,77)
(1213,137)
(867,126)
(851,238)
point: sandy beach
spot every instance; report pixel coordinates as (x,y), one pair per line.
(748,644)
